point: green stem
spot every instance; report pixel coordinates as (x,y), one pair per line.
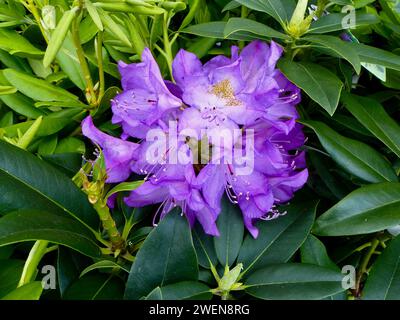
(82,60)
(99,53)
(167,45)
(35,256)
(364,264)
(30,5)
(109,225)
(321,5)
(244,12)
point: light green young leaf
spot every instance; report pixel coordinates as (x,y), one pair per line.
(58,36)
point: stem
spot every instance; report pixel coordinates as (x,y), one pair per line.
(364,264)
(321,5)
(35,256)
(82,60)
(167,45)
(243,13)
(99,53)
(30,5)
(109,225)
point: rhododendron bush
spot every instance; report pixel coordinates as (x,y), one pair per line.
(168,150)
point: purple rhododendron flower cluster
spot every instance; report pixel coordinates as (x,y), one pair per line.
(241,94)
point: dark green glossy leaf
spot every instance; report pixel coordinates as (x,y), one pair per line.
(205,249)
(374,117)
(319,83)
(354,156)
(167,256)
(231,229)
(278,239)
(261,30)
(32,177)
(369,209)
(313,251)
(378,56)
(294,281)
(185,290)
(68,268)
(279,9)
(96,287)
(334,22)
(383,282)
(10,272)
(339,47)
(27,225)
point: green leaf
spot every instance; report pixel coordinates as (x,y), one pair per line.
(21,105)
(48,145)
(30,291)
(14,62)
(28,182)
(103,264)
(377,56)
(319,83)
(278,239)
(166,256)
(214,29)
(127,7)
(185,290)
(70,145)
(68,267)
(204,246)
(51,124)
(27,225)
(113,27)
(354,156)
(294,281)
(6,90)
(10,272)
(124,186)
(58,36)
(69,62)
(261,30)
(14,43)
(313,251)
(6,252)
(96,287)
(93,14)
(68,163)
(194,7)
(156,294)
(7,119)
(279,9)
(231,229)
(383,282)
(334,22)
(37,89)
(341,48)
(373,116)
(368,209)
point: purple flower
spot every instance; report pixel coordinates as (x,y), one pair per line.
(146,99)
(118,154)
(235,135)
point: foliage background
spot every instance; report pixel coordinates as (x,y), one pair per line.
(58,62)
